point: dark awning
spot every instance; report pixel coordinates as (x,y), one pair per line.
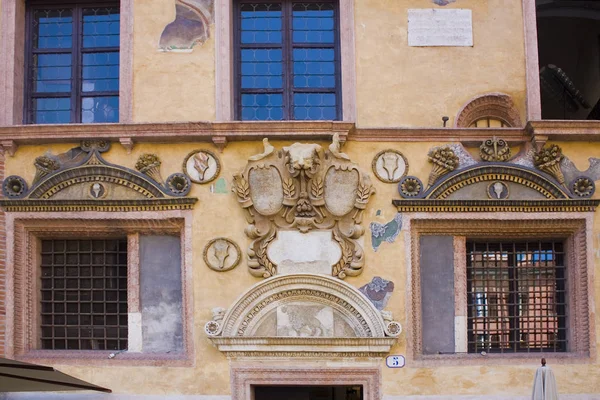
(16,376)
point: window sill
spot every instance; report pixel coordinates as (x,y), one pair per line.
(477,359)
(103,358)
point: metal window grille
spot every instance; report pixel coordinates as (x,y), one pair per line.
(72,62)
(287,60)
(84,294)
(516,296)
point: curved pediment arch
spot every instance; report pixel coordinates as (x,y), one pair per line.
(82,180)
(512,174)
(308,315)
(305,292)
(120,176)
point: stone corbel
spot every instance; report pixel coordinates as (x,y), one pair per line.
(9,147)
(220,142)
(539,141)
(127,143)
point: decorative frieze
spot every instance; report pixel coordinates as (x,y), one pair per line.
(82,180)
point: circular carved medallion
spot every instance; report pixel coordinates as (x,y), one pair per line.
(583,187)
(222,254)
(390,166)
(497,190)
(97,190)
(201,166)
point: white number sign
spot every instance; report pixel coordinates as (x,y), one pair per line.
(395,361)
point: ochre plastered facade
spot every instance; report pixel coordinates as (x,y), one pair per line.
(171,104)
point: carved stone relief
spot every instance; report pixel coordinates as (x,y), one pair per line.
(303,187)
(494,150)
(306,313)
(390,166)
(82,178)
(456,176)
(201,166)
(222,254)
(498,190)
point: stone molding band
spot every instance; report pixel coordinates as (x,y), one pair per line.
(164,204)
(496,205)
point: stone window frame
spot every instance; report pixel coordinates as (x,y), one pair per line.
(12,62)
(574,228)
(244,377)
(24,234)
(224,61)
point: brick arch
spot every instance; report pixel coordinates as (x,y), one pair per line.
(491,105)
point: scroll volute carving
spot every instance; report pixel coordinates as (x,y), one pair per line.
(303,187)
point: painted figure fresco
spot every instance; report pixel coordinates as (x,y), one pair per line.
(190,27)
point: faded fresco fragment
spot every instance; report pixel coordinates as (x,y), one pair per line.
(385,232)
(190,27)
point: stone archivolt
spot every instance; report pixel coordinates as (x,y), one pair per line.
(303,187)
(302,314)
(82,180)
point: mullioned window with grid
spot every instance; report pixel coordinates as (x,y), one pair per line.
(287,57)
(72,62)
(516,296)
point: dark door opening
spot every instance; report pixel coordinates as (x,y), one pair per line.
(308,392)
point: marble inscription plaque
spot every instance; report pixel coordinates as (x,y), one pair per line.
(433,27)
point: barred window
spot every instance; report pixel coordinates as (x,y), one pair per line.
(72,65)
(84,294)
(516,296)
(287,64)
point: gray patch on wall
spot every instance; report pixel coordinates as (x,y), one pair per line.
(437,293)
(161,294)
(443,2)
(385,232)
(571,172)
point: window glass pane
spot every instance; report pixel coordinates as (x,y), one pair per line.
(313,23)
(262,107)
(260,23)
(52,29)
(314,106)
(101,27)
(261,69)
(52,110)
(314,68)
(100,72)
(100,109)
(51,73)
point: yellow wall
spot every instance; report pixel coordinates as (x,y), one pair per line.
(169,86)
(397,85)
(220,215)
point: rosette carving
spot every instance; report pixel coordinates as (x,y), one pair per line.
(303,187)
(548,160)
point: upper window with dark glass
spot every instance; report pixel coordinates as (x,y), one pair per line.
(72,63)
(287,60)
